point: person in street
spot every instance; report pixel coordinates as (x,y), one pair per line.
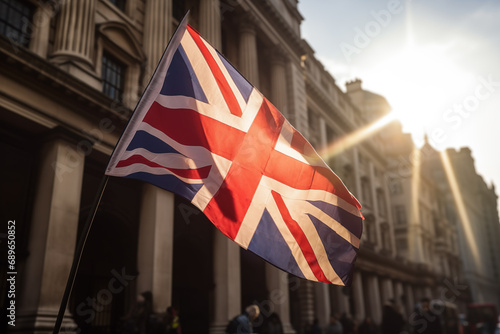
(426,321)
(271,325)
(242,324)
(348,324)
(368,327)
(334,327)
(392,320)
(171,322)
(137,320)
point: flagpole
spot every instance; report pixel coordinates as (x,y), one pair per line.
(79,252)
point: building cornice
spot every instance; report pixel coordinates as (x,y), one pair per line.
(36,73)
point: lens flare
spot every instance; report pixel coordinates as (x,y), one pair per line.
(356,137)
(462,212)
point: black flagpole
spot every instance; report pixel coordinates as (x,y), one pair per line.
(90,219)
(78,253)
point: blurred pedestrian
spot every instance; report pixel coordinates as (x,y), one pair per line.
(368,327)
(426,321)
(242,324)
(392,320)
(334,327)
(137,320)
(348,324)
(272,325)
(172,324)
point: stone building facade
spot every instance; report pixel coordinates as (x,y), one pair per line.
(73,72)
(472,206)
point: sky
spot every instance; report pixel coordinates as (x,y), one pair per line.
(437,62)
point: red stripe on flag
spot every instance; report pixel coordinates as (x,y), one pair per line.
(226,90)
(300,237)
(283,168)
(230,204)
(198,173)
(190,128)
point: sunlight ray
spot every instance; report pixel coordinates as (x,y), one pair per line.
(460,204)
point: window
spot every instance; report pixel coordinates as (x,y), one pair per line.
(112,77)
(120,4)
(15,21)
(400,214)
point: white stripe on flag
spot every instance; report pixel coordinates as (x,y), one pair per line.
(297,253)
(296,209)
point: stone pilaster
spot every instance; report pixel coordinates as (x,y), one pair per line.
(387,290)
(157,32)
(357,175)
(227,278)
(359,301)
(339,300)
(279,94)
(322,301)
(156,245)
(53,234)
(75,31)
(323,135)
(297,100)
(277,285)
(410,299)
(41,29)
(210,27)
(248,59)
(375,304)
(398,294)
(306,299)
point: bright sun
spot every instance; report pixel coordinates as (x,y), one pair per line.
(421,84)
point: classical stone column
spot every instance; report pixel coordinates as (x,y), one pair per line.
(387,290)
(398,293)
(410,300)
(156,245)
(339,301)
(277,284)
(157,31)
(53,234)
(357,176)
(373,292)
(210,22)
(359,302)
(227,279)
(297,107)
(375,199)
(279,94)
(306,299)
(322,301)
(41,29)
(248,60)
(323,134)
(75,31)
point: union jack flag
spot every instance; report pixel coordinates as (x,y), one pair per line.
(202,131)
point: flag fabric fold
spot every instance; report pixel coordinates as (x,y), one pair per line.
(202,131)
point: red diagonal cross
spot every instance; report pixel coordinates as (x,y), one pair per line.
(190,128)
